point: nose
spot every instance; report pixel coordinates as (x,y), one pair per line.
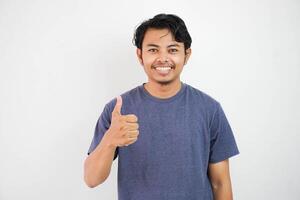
(163,58)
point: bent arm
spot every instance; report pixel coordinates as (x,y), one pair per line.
(220,180)
(97,165)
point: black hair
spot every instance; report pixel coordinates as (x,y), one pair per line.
(161,21)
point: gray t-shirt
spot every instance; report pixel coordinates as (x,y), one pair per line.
(179,137)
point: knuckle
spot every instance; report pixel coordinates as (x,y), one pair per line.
(134,140)
(125,128)
(135,118)
(131,118)
(127,134)
(123,143)
(124,133)
(127,117)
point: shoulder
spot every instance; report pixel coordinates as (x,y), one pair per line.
(128,97)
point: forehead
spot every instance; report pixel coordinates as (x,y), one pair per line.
(159,37)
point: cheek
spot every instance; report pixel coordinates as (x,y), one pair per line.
(178,60)
(148,60)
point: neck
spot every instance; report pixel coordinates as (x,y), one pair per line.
(163,91)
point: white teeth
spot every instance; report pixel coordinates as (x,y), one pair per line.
(163,68)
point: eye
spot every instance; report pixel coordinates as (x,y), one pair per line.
(173,50)
(152,50)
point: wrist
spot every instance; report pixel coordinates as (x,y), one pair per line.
(108,141)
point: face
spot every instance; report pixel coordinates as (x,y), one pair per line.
(162,57)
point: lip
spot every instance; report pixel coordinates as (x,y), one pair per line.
(163,72)
(154,67)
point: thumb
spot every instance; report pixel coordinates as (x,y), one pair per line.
(118,105)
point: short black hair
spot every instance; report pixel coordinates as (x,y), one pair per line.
(161,21)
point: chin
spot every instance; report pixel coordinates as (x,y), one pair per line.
(164,82)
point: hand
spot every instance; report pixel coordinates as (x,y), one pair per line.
(123,130)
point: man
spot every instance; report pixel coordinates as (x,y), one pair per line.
(172,140)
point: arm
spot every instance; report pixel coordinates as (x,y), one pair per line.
(123,131)
(220,180)
(98,164)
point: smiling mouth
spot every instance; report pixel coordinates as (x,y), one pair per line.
(166,67)
(163,70)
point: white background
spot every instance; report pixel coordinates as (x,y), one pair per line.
(61,61)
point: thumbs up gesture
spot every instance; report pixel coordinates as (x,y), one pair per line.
(123,130)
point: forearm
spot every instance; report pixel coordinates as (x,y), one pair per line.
(97,165)
(222,191)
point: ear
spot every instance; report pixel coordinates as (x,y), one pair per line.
(188,53)
(139,55)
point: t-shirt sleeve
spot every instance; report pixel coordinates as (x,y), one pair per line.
(102,126)
(222,141)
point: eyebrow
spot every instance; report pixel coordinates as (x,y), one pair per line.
(155,45)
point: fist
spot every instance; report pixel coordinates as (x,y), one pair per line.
(123,130)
